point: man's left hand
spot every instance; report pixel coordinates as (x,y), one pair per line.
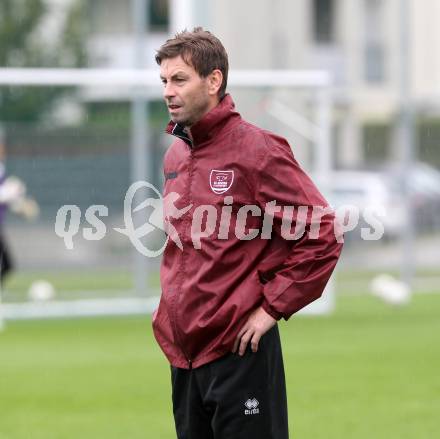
(258,323)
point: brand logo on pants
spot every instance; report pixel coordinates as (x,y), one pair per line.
(251,407)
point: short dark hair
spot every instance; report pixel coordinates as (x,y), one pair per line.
(199,49)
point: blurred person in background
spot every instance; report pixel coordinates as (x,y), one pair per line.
(13,197)
(220,303)
(5,257)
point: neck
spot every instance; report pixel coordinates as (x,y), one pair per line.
(211,105)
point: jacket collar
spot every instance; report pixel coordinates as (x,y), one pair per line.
(209,125)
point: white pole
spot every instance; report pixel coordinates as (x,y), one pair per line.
(181,15)
(406,140)
(140,153)
(150,77)
(323,167)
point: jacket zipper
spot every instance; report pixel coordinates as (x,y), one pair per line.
(176,325)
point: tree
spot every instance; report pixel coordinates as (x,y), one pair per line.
(25,43)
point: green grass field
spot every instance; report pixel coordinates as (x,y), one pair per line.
(366,372)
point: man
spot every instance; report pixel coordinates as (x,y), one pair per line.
(225,289)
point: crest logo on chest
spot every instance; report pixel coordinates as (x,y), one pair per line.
(221,181)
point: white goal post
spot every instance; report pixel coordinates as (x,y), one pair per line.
(319,82)
(150,77)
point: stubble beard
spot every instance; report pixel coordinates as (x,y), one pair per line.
(199,109)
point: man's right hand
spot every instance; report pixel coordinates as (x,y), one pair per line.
(258,323)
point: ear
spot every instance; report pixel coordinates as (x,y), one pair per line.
(215,80)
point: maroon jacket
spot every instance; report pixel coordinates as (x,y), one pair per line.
(208,293)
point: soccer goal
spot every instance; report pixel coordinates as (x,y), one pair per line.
(99,131)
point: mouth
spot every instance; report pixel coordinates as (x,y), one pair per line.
(173,107)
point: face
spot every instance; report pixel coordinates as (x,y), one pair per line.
(188,96)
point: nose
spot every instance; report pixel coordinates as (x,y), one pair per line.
(168,91)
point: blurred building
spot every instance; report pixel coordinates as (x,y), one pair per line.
(358,41)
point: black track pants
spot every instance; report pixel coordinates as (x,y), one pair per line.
(233,397)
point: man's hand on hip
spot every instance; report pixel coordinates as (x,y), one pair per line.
(258,323)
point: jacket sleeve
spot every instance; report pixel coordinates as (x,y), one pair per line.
(312,256)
